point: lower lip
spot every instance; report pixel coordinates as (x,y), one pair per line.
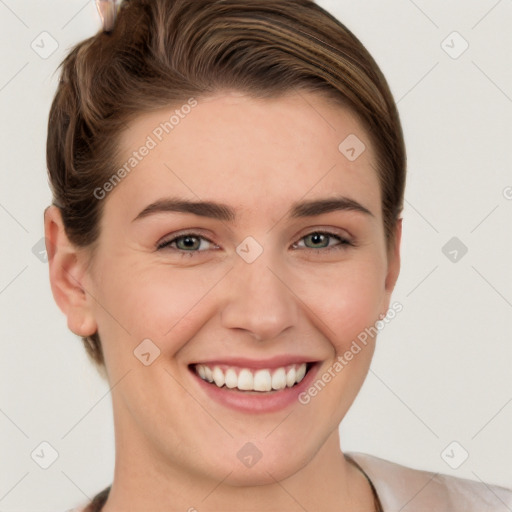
(255,401)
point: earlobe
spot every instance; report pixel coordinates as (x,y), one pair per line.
(67,270)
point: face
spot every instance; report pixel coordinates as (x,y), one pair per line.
(262,256)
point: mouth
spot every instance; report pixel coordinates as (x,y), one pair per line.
(254,387)
(262,380)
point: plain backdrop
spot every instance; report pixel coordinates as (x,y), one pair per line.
(440,385)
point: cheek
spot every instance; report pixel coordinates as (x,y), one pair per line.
(157,302)
(346,301)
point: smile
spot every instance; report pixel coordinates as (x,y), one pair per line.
(250,386)
(247,379)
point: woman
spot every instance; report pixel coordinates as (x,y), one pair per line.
(228,178)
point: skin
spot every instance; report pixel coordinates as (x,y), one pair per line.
(175,448)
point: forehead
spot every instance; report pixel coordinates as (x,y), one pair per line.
(257,154)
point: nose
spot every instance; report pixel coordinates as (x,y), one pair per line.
(259,300)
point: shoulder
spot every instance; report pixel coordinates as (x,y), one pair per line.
(401,488)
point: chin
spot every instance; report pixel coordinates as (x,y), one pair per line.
(261,462)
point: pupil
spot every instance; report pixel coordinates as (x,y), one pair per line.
(189,242)
(318,238)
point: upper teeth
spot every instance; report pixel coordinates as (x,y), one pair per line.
(252,380)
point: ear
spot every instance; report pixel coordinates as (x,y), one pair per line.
(67,268)
(393,268)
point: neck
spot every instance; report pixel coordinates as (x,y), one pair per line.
(328,482)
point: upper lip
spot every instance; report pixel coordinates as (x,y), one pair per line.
(243,362)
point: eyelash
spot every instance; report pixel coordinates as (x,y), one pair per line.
(343,243)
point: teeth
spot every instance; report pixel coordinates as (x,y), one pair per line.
(218,376)
(245,380)
(290,377)
(262,381)
(201,372)
(208,374)
(279,379)
(231,378)
(253,380)
(300,373)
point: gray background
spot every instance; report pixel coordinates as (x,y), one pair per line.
(442,369)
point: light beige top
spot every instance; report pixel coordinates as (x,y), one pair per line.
(404,489)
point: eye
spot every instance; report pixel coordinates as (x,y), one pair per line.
(325,241)
(317,240)
(189,242)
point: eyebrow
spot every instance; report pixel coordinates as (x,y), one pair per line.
(225,213)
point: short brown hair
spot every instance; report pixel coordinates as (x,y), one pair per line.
(161,52)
